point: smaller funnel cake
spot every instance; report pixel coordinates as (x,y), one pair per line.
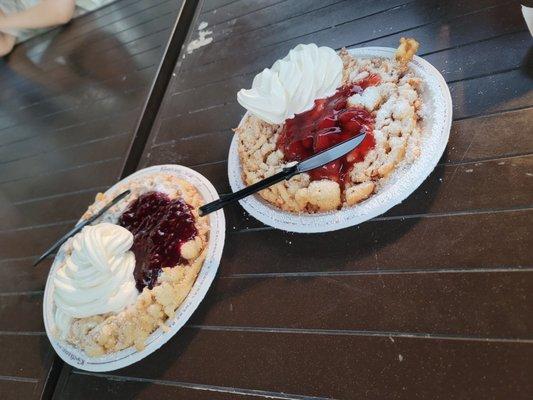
(125,276)
(315,98)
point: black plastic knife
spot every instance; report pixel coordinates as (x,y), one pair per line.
(310,163)
(80,226)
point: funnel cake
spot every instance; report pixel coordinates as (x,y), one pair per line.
(379,96)
(169,242)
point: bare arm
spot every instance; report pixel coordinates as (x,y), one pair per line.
(45,14)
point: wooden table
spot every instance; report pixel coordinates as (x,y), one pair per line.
(431,300)
(69,105)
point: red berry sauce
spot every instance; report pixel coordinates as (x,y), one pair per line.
(329,122)
(159,227)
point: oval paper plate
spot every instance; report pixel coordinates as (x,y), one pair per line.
(401,183)
(78,358)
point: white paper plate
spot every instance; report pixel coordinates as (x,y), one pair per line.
(78,358)
(438,119)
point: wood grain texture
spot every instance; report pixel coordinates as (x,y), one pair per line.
(341,365)
(428,301)
(30,144)
(233,10)
(48,210)
(103,172)
(478,303)
(69,102)
(24,277)
(446,274)
(271,14)
(30,356)
(460,184)
(14,390)
(253,58)
(83,154)
(310,21)
(488,240)
(81,386)
(456,63)
(12,307)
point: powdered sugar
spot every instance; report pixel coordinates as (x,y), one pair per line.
(436,111)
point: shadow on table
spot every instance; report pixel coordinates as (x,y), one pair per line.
(55,74)
(527,64)
(165,359)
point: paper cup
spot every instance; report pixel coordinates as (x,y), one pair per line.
(401,183)
(77,358)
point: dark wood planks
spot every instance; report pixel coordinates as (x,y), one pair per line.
(14,390)
(80,93)
(486,239)
(29,359)
(69,103)
(502,53)
(271,14)
(430,300)
(23,142)
(68,180)
(80,386)
(333,364)
(319,16)
(48,210)
(201,104)
(138,21)
(477,161)
(253,58)
(29,355)
(23,277)
(478,303)
(490,136)
(232,10)
(471,186)
(79,155)
(12,307)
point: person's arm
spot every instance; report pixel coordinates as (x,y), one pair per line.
(45,14)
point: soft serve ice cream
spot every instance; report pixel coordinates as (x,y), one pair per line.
(293,83)
(94,300)
(314,99)
(97,277)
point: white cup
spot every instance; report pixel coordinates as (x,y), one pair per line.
(527,12)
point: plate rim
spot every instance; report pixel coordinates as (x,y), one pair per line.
(76,357)
(331,221)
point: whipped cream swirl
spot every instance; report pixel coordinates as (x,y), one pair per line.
(97,277)
(293,83)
